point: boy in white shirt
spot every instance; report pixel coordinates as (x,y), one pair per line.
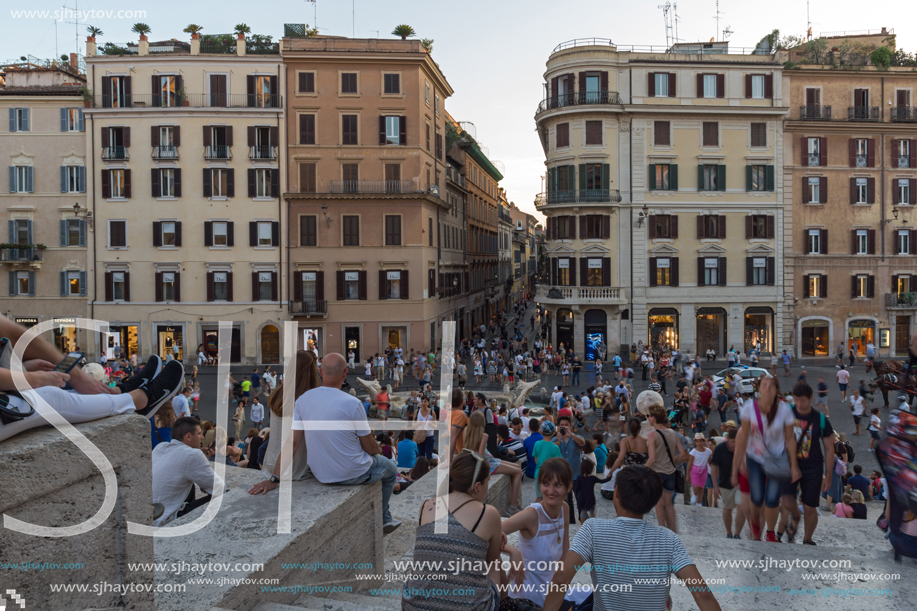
(858,407)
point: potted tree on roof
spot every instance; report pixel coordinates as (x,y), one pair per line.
(194,30)
(93,32)
(404,30)
(142,29)
(241,30)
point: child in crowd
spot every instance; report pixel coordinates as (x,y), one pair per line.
(608,488)
(585,493)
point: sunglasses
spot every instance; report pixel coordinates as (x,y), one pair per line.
(477,467)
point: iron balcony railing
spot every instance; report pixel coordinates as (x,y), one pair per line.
(814,112)
(193,100)
(582,196)
(904,113)
(218,151)
(863,113)
(165,152)
(862,161)
(112,153)
(309,306)
(904,161)
(262,152)
(21,254)
(901,300)
(814,159)
(453,175)
(372,186)
(579,98)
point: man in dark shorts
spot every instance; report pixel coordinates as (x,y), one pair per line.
(812,431)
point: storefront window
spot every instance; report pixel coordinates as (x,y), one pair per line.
(664,332)
(65,334)
(815,340)
(310,340)
(860,334)
(759,329)
(120,341)
(170,343)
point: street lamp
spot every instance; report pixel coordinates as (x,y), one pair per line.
(83,213)
(325,212)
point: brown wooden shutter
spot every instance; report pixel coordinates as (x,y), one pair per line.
(127,184)
(805,287)
(127,286)
(582,86)
(382,130)
(362,275)
(671,84)
(208,133)
(210,290)
(256,294)
(251,182)
(126,137)
(252,233)
(403,131)
(106,137)
(177,286)
(823,285)
(275,182)
(701,281)
(673,271)
(823,152)
(823,190)
(824,241)
(870,286)
(109,282)
(769,227)
(871,152)
(721,227)
(275,286)
(805,190)
(853,241)
(721,271)
(912,191)
(747,85)
(319,286)
(208,232)
(652,271)
(231,182)
(229,285)
(673,225)
(582,227)
(405,285)
(177,175)
(804,149)
(154,135)
(853,190)
(871,190)
(251,135)
(769,86)
(154,182)
(871,241)
(652,226)
(157,233)
(852,152)
(382,293)
(606,271)
(604,82)
(699,88)
(297,286)
(606,226)
(275,233)
(700,226)
(106,184)
(340,286)
(158,285)
(912,242)
(178,233)
(651,84)
(749,271)
(721,85)
(208,186)
(912,153)
(749,227)
(583,271)
(770,271)
(854,289)
(176,135)
(553,265)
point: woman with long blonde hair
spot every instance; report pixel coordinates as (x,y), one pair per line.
(476,440)
(306,378)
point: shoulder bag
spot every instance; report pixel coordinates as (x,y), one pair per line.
(679,476)
(776,466)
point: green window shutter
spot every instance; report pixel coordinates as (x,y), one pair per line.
(63,179)
(63,232)
(769,177)
(63,284)
(29,174)
(82,179)
(12,124)
(571,176)
(700,178)
(652,177)
(82,123)
(82,235)
(673,177)
(582,176)
(721,177)
(32,283)
(748,170)
(13,179)
(83,283)
(606,176)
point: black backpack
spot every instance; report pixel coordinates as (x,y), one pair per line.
(851,455)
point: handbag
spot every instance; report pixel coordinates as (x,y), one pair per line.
(776,466)
(679,476)
(839,467)
(13,406)
(420,435)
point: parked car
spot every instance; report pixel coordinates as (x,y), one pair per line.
(748,375)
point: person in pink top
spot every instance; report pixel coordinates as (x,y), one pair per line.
(843,509)
(843,377)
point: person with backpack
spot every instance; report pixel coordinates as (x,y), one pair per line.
(897,456)
(812,431)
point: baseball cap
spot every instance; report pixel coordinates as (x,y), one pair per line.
(900,397)
(547,427)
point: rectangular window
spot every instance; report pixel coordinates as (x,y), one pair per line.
(22,179)
(711,271)
(118,292)
(307,129)
(711,226)
(306,82)
(428,137)
(349,82)
(862,190)
(393,130)
(351,228)
(117,234)
(264,234)
(759,271)
(562,135)
(74,118)
(22,283)
(393,285)
(436,103)
(815,241)
(219,182)
(167,182)
(393,230)
(593,177)
(594,272)
(904,242)
(168,286)
(594,132)
(19,119)
(903,153)
(168,233)
(904,191)
(862,242)
(263,183)
(662,133)
(862,286)
(350,174)
(595,226)
(710,178)
(72,233)
(220,233)
(566,229)
(661,82)
(348,129)
(814,285)
(757,86)
(351,285)
(663,174)
(220,286)
(759,134)
(117,184)
(814,152)
(21,232)
(663,272)
(709,81)
(711,133)
(663,226)
(73,283)
(265,286)
(308,233)
(563,272)
(814,189)
(427,94)
(73,176)
(264,97)
(904,285)
(167,92)
(862,152)
(392,84)
(759,226)
(758,182)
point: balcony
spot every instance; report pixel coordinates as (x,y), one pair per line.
(165,152)
(309,307)
(192,100)
(581,196)
(903,114)
(25,256)
(262,152)
(454,175)
(901,161)
(901,300)
(579,98)
(586,295)
(814,112)
(218,151)
(814,159)
(372,187)
(863,113)
(115,153)
(862,161)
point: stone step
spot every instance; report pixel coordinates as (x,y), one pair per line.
(364,599)
(336,603)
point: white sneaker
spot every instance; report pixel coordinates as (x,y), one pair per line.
(390,526)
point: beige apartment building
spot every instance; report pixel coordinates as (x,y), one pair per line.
(44,207)
(640,141)
(367,194)
(850,177)
(486,299)
(182,242)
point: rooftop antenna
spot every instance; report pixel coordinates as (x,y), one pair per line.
(75,22)
(718,13)
(727,32)
(667,16)
(315,13)
(677,19)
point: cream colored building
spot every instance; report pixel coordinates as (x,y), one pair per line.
(44,145)
(185,190)
(638,142)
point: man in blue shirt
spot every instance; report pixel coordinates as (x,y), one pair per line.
(616,361)
(529,445)
(858,482)
(571,449)
(256,383)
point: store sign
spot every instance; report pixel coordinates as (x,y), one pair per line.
(760,262)
(563,263)
(351,276)
(168,330)
(595,264)
(26,321)
(662,263)
(64,321)
(711,263)
(308,277)
(393,275)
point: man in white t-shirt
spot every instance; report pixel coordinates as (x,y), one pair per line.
(555,397)
(180,404)
(858,407)
(177,467)
(347,456)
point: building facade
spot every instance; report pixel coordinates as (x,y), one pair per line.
(850,177)
(169,126)
(367,194)
(44,208)
(616,126)
(483,222)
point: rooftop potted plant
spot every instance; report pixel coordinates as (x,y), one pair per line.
(86,94)
(142,29)
(194,30)
(427,44)
(241,30)
(404,30)
(93,32)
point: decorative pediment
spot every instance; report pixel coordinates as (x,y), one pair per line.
(561,249)
(762,250)
(21,159)
(73,159)
(663,250)
(595,249)
(712,249)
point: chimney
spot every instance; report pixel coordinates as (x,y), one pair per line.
(74,67)
(90,46)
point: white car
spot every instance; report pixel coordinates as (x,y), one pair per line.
(748,375)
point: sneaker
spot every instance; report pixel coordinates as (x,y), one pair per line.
(152,369)
(162,388)
(736,536)
(772,537)
(390,526)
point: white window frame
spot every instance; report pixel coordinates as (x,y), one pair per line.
(862,285)
(814,190)
(711,173)
(904,242)
(904,191)
(661,84)
(167,182)
(20,277)
(759,276)
(711,273)
(72,223)
(221,278)
(126,244)
(392,130)
(814,242)
(263,183)
(71,276)
(759,178)
(224,233)
(265,226)
(22,178)
(164,225)
(862,241)
(905,283)
(73,120)
(814,152)
(862,153)
(117,278)
(265,293)
(709,82)
(168,280)
(18,119)
(117,186)
(757,86)
(862,187)
(219,176)
(393,285)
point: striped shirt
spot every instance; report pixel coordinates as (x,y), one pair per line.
(627,551)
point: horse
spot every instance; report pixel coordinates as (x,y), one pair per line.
(882,367)
(892,380)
